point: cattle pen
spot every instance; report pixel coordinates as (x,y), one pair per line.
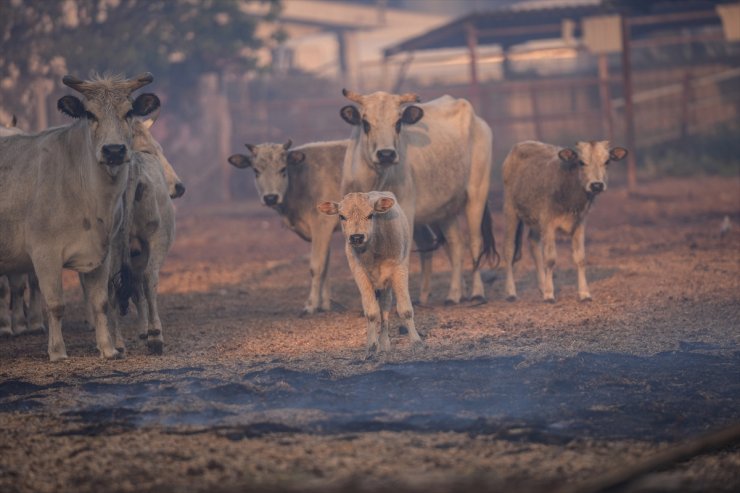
(246,351)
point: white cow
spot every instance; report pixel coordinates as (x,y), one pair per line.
(60,197)
(378,243)
(436,158)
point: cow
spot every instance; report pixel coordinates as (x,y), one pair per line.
(549,188)
(60,197)
(146,235)
(293,181)
(12,287)
(377,243)
(436,158)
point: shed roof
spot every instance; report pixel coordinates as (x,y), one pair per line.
(516,25)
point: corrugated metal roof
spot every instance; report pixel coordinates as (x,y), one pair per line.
(541,19)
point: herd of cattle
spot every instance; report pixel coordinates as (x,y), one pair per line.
(95,196)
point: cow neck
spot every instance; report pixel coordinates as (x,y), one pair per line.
(570,195)
(99,193)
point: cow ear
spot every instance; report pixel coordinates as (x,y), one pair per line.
(351,115)
(239,161)
(328,208)
(412,114)
(252,148)
(296,157)
(617,153)
(383,205)
(287,145)
(568,155)
(145,104)
(71,106)
(151,118)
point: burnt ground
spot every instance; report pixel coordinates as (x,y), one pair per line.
(502,396)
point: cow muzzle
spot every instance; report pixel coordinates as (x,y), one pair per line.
(387,156)
(357,239)
(113,154)
(270,199)
(179,191)
(596,187)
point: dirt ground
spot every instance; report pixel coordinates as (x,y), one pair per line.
(522,396)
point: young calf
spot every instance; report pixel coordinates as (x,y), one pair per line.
(377,248)
(550,188)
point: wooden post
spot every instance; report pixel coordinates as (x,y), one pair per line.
(606,98)
(629,110)
(535,113)
(685,102)
(472,39)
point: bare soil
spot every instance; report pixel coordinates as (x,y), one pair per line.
(522,396)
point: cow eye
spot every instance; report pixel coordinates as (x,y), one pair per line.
(129,114)
(398,126)
(90,116)
(282,171)
(256,173)
(366,126)
(607,161)
(370,216)
(342,218)
(581,163)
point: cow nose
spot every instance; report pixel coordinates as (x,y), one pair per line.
(114,154)
(270,199)
(358,239)
(179,190)
(386,156)
(597,187)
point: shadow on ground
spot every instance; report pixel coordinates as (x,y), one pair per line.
(667,396)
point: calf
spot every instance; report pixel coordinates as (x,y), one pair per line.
(550,188)
(378,243)
(292,181)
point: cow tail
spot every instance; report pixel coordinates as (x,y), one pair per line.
(489,241)
(428,238)
(518,241)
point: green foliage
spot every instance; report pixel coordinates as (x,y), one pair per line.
(715,153)
(174,39)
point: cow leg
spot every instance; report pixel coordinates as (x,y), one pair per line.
(451,230)
(319,261)
(535,248)
(579,258)
(35,305)
(142,310)
(550,254)
(154,335)
(49,273)
(89,312)
(370,307)
(474,215)
(400,284)
(326,285)
(425,243)
(511,221)
(385,302)
(5,324)
(17,302)
(96,283)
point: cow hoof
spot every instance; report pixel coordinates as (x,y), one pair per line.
(6,332)
(155,346)
(479,299)
(115,354)
(61,356)
(549,300)
(511,297)
(121,349)
(450,302)
(142,336)
(586,299)
(306,312)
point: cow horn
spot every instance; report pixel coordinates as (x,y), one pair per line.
(287,145)
(410,97)
(352,96)
(74,83)
(139,81)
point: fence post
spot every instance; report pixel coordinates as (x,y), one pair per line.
(685,102)
(535,112)
(629,110)
(606,98)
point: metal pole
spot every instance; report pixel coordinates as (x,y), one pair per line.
(629,110)
(606,98)
(472,39)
